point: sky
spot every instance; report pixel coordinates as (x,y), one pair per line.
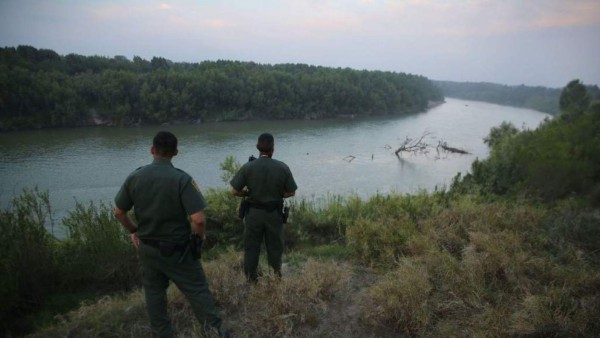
(513,42)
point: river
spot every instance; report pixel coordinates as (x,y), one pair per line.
(83,164)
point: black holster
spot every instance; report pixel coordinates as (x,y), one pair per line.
(244,206)
(196,246)
(285,213)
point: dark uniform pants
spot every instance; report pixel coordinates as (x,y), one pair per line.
(189,277)
(261,224)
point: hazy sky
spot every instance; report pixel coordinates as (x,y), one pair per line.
(531,42)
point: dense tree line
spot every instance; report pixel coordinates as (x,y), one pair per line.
(538,98)
(40,88)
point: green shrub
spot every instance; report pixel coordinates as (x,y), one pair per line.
(321,221)
(97,252)
(27,265)
(223,226)
(573,233)
(381,242)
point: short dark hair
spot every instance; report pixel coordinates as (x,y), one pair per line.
(165,144)
(265,142)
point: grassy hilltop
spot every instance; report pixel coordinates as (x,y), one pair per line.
(511,249)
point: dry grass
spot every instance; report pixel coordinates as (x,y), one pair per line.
(486,270)
(116,316)
(271,308)
(400,299)
(274,307)
(382,242)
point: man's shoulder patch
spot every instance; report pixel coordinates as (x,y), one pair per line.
(196,186)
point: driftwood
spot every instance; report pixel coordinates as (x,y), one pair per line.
(417,146)
(413,146)
(420,146)
(444,146)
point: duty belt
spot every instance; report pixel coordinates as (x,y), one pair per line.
(156,244)
(266,206)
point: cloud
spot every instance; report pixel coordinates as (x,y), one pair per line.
(577,13)
(480,18)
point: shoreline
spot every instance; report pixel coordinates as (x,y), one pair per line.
(95,121)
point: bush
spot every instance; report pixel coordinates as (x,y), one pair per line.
(326,220)
(223,227)
(380,242)
(573,233)
(27,262)
(97,253)
(322,221)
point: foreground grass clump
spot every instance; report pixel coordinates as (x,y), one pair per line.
(400,298)
(274,307)
(271,308)
(111,316)
(490,269)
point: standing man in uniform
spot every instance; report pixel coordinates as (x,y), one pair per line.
(163,197)
(265,182)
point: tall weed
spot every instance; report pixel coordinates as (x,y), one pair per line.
(97,252)
(27,260)
(223,224)
(322,221)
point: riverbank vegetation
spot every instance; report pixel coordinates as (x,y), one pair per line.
(39,88)
(510,249)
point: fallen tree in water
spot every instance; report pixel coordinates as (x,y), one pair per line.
(414,146)
(420,147)
(445,147)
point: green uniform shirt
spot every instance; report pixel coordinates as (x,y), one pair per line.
(266,178)
(162,197)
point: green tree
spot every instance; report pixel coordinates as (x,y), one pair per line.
(574,99)
(497,134)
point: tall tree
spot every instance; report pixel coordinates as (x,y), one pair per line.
(574,98)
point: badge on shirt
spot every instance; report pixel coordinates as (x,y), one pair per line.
(196,186)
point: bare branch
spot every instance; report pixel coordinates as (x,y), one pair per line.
(420,146)
(444,146)
(414,147)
